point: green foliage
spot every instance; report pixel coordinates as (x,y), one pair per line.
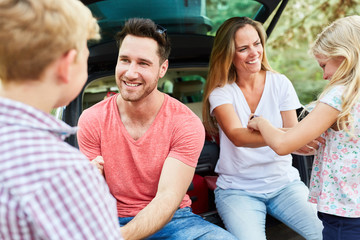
(220,10)
(289,44)
(300,68)
(301,21)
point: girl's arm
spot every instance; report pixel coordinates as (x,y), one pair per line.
(289,118)
(318,121)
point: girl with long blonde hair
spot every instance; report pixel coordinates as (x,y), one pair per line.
(336,116)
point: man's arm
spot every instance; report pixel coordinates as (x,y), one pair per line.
(174,181)
(88,135)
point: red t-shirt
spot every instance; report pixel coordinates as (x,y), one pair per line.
(132,168)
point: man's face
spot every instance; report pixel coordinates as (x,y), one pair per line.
(138,68)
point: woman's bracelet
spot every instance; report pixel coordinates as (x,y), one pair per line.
(253,116)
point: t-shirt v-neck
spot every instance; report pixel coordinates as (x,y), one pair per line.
(148,131)
(241,94)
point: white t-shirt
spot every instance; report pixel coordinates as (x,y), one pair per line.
(258,170)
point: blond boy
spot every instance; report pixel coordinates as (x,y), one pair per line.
(48,189)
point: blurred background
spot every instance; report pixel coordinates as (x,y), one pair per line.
(288,45)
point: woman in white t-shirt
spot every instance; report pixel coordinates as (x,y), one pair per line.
(253,179)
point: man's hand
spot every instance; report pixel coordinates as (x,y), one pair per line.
(98,162)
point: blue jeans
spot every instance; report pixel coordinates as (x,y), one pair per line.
(187,225)
(340,228)
(244,213)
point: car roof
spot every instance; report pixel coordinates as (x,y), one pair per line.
(188,24)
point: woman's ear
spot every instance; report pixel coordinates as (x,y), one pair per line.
(64,65)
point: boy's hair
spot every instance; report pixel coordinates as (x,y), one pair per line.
(33,33)
(342,39)
(141,27)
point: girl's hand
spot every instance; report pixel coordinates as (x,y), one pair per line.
(311,147)
(253,122)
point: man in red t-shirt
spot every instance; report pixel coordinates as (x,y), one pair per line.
(146,143)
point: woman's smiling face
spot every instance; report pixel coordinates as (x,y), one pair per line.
(248,50)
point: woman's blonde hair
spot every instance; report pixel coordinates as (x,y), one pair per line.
(221,68)
(33,33)
(342,39)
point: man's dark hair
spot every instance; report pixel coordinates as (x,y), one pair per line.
(141,27)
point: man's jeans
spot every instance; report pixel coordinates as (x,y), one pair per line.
(244,213)
(187,225)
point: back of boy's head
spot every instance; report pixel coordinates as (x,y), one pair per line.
(34,33)
(141,27)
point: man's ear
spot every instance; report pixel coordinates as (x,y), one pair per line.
(64,65)
(163,68)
